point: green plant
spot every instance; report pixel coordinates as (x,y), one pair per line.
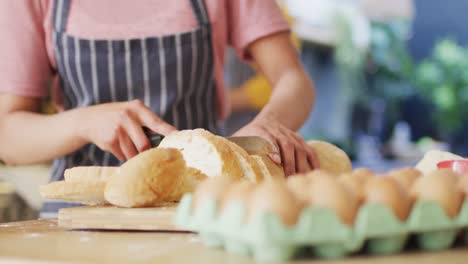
(443,79)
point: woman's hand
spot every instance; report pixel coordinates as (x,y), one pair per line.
(292,151)
(118,127)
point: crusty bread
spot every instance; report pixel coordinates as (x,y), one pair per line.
(429,162)
(269,169)
(192,177)
(330,157)
(146,179)
(253,145)
(204,151)
(89,173)
(89,192)
(251,168)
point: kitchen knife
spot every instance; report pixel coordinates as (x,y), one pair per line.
(252,144)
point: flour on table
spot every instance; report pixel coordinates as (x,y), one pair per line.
(85,239)
(32,235)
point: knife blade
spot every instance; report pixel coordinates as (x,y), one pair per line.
(253,145)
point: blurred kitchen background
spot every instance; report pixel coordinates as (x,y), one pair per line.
(391,79)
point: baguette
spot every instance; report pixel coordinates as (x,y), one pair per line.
(90,173)
(90,193)
(191,178)
(147,179)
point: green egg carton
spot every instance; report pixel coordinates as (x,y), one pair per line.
(381,231)
(320,231)
(433,229)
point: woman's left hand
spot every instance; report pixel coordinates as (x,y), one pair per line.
(292,151)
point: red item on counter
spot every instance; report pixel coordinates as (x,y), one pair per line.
(458,166)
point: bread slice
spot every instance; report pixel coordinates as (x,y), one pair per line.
(147,179)
(89,173)
(205,152)
(90,193)
(250,167)
(330,157)
(269,169)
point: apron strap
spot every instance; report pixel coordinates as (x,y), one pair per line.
(201,12)
(60,14)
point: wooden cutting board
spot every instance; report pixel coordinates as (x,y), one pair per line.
(116,218)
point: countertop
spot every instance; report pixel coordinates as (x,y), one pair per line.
(42,241)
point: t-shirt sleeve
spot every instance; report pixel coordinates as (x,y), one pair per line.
(24,64)
(249,20)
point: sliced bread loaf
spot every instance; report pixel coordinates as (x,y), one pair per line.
(206,152)
(250,167)
(269,169)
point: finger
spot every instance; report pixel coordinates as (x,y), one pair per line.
(150,120)
(127,147)
(275,157)
(287,155)
(116,151)
(274,154)
(312,157)
(301,159)
(302,162)
(135,131)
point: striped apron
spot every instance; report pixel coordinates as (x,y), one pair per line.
(171,74)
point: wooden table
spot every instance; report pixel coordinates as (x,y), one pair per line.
(41,241)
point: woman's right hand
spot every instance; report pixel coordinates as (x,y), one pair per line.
(118,127)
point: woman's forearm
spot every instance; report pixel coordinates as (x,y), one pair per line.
(27,138)
(292,99)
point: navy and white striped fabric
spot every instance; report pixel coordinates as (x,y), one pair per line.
(171,74)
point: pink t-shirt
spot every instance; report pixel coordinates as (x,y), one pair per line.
(27,60)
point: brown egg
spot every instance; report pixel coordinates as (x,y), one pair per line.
(299,186)
(354,185)
(405,176)
(440,186)
(386,191)
(319,173)
(463,185)
(274,196)
(328,192)
(211,189)
(355,181)
(363,174)
(239,191)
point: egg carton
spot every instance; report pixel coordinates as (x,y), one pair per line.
(320,231)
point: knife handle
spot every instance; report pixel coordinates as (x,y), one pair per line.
(154,138)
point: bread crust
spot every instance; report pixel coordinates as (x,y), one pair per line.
(147,179)
(255,173)
(230,165)
(90,193)
(330,157)
(89,173)
(192,177)
(269,169)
